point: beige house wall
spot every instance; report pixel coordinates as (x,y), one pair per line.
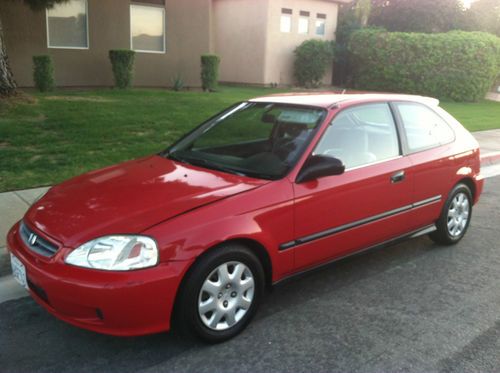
(240,29)
(188,35)
(245,33)
(280,46)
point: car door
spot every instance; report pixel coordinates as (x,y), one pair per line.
(428,140)
(368,203)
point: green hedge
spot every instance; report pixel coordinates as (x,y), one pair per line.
(209,71)
(457,65)
(312,59)
(43,73)
(122,62)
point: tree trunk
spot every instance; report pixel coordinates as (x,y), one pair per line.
(7,83)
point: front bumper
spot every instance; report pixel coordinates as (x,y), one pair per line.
(118,303)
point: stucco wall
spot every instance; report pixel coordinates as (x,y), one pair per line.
(187,37)
(240,28)
(280,46)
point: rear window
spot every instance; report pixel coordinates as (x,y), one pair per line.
(424,128)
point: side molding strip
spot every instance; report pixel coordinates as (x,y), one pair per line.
(355,224)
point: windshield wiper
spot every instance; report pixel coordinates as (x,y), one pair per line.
(204,163)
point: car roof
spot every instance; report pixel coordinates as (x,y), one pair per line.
(328,100)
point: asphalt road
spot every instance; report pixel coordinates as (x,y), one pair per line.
(412,307)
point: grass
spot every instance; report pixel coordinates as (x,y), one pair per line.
(54,136)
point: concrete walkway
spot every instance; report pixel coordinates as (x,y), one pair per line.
(14,204)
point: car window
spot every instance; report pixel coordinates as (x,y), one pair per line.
(361,135)
(261,140)
(423,127)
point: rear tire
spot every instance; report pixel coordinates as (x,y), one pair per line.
(455,216)
(221,294)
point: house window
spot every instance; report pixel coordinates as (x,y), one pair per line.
(286,20)
(304,22)
(67,25)
(320,24)
(147,28)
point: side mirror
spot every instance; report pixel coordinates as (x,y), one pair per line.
(319,166)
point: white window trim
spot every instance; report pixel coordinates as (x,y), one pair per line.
(87,20)
(164,29)
(316,27)
(290,16)
(307,18)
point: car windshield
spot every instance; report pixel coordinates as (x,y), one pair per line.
(261,140)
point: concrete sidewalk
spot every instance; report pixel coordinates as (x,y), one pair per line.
(14,204)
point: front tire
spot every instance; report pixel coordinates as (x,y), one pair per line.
(455,216)
(221,294)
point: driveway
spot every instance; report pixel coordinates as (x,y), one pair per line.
(413,307)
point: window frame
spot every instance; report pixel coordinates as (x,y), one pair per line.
(397,128)
(288,13)
(162,7)
(320,17)
(62,47)
(304,15)
(402,131)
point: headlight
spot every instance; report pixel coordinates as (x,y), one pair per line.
(116,253)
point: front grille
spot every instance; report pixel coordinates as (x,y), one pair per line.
(36,243)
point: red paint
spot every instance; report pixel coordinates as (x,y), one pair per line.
(189,210)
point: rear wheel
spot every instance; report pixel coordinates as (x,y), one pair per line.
(221,294)
(455,217)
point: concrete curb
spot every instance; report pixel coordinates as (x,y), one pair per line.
(490,159)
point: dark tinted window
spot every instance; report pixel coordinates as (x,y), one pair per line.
(361,135)
(423,127)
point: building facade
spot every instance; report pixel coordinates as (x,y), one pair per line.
(255,39)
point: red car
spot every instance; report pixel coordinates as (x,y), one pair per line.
(263,191)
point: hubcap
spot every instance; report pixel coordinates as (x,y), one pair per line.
(226,295)
(458,214)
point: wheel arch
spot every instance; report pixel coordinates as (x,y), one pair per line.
(254,246)
(469,182)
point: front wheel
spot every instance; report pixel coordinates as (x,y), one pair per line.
(221,294)
(455,217)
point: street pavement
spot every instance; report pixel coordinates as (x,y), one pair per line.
(412,307)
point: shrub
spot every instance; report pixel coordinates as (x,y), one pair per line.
(209,71)
(457,65)
(178,83)
(43,73)
(122,62)
(312,59)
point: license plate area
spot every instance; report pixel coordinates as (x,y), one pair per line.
(18,271)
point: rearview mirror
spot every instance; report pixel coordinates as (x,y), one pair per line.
(319,166)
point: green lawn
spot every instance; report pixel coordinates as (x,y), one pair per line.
(62,134)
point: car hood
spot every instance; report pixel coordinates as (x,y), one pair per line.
(129,198)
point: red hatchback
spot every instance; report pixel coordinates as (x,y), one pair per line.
(265,190)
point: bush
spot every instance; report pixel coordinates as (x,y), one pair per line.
(312,59)
(457,65)
(43,73)
(177,83)
(209,71)
(122,62)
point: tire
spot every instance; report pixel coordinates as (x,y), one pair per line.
(221,294)
(455,216)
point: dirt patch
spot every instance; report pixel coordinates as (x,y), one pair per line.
(4,144)
(18,98)
(79,98)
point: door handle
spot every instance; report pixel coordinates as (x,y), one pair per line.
(398,177)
